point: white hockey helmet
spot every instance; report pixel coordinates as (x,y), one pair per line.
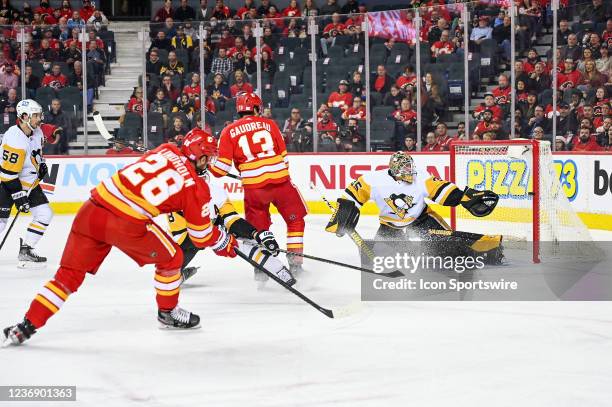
(29,107)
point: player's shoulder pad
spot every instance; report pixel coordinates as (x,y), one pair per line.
(15,138)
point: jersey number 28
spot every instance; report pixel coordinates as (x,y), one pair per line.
(260,145)
(154,188)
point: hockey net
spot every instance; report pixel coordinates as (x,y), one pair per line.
(533,206)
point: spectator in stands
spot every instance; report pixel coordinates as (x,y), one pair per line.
(186,104)
(169,28)
(292,124)
(98,58)
(244,10)
(75,21)
(461,132)
(268,66)
(394,97)
(356,86)
(56,78)
(597,12)
(484,125)
(520,125)
(164,12)
(98,21)
(182,41)
(264,8)
(560,143)
(222,64)
(221,11)
(381,82)
(161,42)
(331,31)
(357,110)
(161,104)
(538,120)
(442,138)
(341,98)
(327,130)
(218,90)
(519,72)
(586,142)
(267,113)
(539,80)
(45,52)
(502,34)
(563,32)
(203,13)
(409,144)
(136,101)
(489,104)
(405,121)
(591,77)
(431,143)
(177,132)
(240,85)
(572,50)
(481,33)
(570,77)
(76,79)
(87,10)
(173,67)
(8,77)
(154,64)
(567,122)
(184,12)
(58,118)
(443,46)
(310,9)
(170,91)
(330,8)
(587,56)
(604,62)
(32,82)
(119,147)
(194,85)
(9,104)
(292,10)
(349,139)
(226,40)
(71,54)
(43,8)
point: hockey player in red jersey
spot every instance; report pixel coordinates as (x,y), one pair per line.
(256,147)
(120,213)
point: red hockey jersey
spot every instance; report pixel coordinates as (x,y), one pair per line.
(256,147)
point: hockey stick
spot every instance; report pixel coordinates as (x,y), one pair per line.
(97,118)
(393,274)
(338,313)
(8,231)
(355,237)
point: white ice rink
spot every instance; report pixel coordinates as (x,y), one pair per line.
(266,348)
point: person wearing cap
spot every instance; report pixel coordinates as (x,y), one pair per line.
(341,98)
(489,104)
(570,77)
(119,147)
(482,32)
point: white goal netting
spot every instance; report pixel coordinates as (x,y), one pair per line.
(533,206)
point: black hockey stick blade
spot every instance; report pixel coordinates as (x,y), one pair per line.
(327,312)
(393,274)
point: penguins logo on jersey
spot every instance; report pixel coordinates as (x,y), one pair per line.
(400,204)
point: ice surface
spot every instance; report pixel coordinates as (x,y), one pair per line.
(266,348)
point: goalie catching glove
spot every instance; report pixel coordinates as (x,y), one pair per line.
(479,203)
(344,219)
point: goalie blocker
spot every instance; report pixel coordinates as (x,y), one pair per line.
(400,197)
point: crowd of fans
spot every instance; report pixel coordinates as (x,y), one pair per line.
(230,64)
(53,61)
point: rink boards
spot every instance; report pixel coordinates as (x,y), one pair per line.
(586,179)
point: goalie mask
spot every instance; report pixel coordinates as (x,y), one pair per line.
(401,167)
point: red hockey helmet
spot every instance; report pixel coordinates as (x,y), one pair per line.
(246,102)
(198,143)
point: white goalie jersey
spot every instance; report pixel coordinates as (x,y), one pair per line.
(399,203)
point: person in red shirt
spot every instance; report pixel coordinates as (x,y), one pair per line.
(44,8)
(331,31)
(240,86)
(237,50)
(484,124)
(586,142)
(405,115)
(531,61)
(119,147)
(442,138)
(381,82)
(327,129)
(502,92)
(342,98)
(120,213)
(88,9)
(570,77)
(255,146)
(604,113)
(356,111)
(407,80)
(443,46)
(164,12)
(55,79)
(489,104)
(432,144)
(194,86)
(275,18)
(244,10)
(292,10)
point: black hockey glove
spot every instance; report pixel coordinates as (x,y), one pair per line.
(345,218)
(268,242)
(479,203)
(21,201)
(42,170)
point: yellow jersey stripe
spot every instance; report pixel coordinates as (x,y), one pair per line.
(57,291)
(165,293)
(133,197)
(115,202)
(265,177)
(48,304)
(261,163)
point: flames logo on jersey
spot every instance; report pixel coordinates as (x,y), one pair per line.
(400,204)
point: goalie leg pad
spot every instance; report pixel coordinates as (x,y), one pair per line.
(345,218)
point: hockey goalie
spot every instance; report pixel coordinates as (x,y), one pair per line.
(401,195)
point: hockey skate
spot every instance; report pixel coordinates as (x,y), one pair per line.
(18,334)
(28,258)
(178,318)
(283,274)
(187,273)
